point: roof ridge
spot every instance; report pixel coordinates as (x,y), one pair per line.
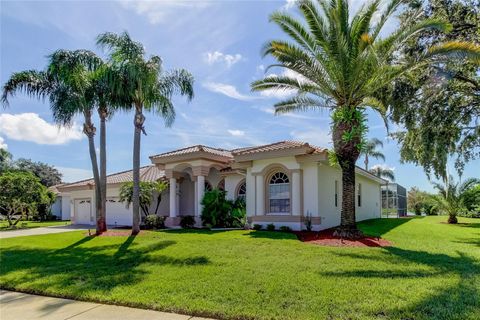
(108,175)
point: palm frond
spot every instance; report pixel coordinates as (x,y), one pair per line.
(299,103)
(37,84)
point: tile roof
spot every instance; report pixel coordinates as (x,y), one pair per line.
(147,173)
(193,149)
(281,145)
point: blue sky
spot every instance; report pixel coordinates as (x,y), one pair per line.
(219,42)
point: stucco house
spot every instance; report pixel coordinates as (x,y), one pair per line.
(282,183)
(61,206)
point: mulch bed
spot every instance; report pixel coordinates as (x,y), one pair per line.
(326,238)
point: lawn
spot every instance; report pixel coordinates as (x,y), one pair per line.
(32,224)
(431,272)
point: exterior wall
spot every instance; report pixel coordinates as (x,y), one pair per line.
(310,189)
(66,212)
(187,198)
(231,184)
(370,205)
(61,207)
(56,208)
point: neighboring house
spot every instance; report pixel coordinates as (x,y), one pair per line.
(61,206)
(282,183)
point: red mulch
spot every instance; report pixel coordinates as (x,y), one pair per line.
(115,233)
(326,238)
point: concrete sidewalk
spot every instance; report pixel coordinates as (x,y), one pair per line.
(43,230)
(15,305)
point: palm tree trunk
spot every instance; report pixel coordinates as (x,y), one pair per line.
(89,130)
(366,161)
(347,153)
(138,123)
(102,222)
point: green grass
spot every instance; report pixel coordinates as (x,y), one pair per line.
(431,272)
(32,224)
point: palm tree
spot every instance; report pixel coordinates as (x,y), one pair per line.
(382,172)
(67,82)
(451,195)
(141,84)
(370,150)
(342,63)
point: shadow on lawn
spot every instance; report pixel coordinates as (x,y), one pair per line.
(460,301)
(77,270)
(378,227)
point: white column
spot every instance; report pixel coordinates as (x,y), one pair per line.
(200,192)
(173,197)
(260,196)
(296,193)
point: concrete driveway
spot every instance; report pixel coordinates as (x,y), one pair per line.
(16,305)
(43,230)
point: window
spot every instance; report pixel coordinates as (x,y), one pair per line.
(336,193)
(359,195)
(208,186)
(221,185)
(242,191)
(279,193)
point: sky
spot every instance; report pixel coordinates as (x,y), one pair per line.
(219,42)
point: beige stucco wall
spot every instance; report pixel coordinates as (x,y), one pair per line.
(232,182)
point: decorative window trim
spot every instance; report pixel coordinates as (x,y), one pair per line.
(272,172)
(242,183)
(221,185)
(208,186)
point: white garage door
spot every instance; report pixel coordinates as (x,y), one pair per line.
(117,213)
(83,211)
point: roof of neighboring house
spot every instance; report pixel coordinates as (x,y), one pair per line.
(147,173)
(281,145)
(194,149)
(54,188)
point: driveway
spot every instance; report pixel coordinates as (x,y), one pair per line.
(43,230)
(16,305)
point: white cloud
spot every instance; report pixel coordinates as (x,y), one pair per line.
(227,90)
(3,145)
(219,57)
(74,174)
(236,133)
(316,137)
(289,4)
(157,11)
(383,167)
(30,127)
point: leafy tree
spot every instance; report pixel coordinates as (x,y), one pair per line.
(451,196)
(382,172)
(5,159)
(439,103)
(140,84)
(471,198)
(48,175)
(147,191)
(370,150)
(342,63)
(20,195)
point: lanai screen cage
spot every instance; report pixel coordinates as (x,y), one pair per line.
(394,200)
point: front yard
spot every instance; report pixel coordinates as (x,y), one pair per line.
(32,224)
(431,272)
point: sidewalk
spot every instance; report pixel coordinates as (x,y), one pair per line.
(15,305)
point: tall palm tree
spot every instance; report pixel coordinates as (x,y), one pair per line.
(67,82)
(451,195)
(370,150)
(341,63)
(141,84)
(383,172)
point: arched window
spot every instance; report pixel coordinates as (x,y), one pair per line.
(279,193)
(242,191)
(208,186)
(221,185)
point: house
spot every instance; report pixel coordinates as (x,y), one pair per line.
(282,183)
(61,207)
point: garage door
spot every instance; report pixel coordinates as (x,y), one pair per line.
(117,213)
(83,211)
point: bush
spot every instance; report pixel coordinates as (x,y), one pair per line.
(220,212)
(285,229)
(257,227)
(308,222)
(271,227)
(418,209)
(187,222)
(430,209)
(152,221)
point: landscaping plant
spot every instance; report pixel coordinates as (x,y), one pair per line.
(219,212)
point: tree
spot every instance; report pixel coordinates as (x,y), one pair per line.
(383,172)
(5,159)
(341,63)
(48,175)
(451,196)
(67,82)
(142,85)
(471,198)
(20,195)
(147,190)
(370,150)
(439,103)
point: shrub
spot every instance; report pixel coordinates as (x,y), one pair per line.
(220,212)
(271,227)
(187,222)
(257,227)
(430,209)
(308,221)
(152,221)
(418,209)
(285,229)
